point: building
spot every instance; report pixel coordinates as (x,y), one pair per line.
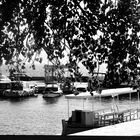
(55,73)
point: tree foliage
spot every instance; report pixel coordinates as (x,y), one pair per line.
(95,32)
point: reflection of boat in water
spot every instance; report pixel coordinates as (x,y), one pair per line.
(82,120)
(51,100)
(52,90)
(19,89)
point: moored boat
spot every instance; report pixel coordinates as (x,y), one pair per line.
(67,89)
(82,120)
(52,90)
(4,83)
(19,89)
(40,87)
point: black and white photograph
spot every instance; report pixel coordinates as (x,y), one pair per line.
(70,68)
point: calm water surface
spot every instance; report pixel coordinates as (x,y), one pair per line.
(39,116)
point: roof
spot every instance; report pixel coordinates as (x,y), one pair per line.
(4,78)
(81,84)
(104,93)
(52,85)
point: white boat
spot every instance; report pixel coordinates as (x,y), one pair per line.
(40,87)
(105,93)
(78,86)
(81,86)
(52,90)
(4,78)
(4,83)
(82,120)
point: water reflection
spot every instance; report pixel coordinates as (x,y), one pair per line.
(14,100)
(17,100)
(51,100)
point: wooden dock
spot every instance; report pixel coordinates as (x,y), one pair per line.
(130,128)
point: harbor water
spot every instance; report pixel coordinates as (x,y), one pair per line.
(40,116)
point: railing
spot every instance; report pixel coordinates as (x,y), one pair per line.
(118,117)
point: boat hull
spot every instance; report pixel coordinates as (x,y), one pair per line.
(71,130)
(52,94)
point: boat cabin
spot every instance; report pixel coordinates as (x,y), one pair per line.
(52,87)
(4,83)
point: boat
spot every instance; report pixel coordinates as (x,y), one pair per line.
(74,87)
(20,76)
(40,87)
(4,78)
(52,90)
(67,87)
(19,89)
(80,87)
(84,119)
(4,83)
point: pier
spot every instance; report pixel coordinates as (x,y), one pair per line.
(130,128)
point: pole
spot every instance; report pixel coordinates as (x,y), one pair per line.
(117,105)
(68,107)
(93,103)
(113,103)
(138,97)
(130,99)
(83,104)
(118,98)
(100,100)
